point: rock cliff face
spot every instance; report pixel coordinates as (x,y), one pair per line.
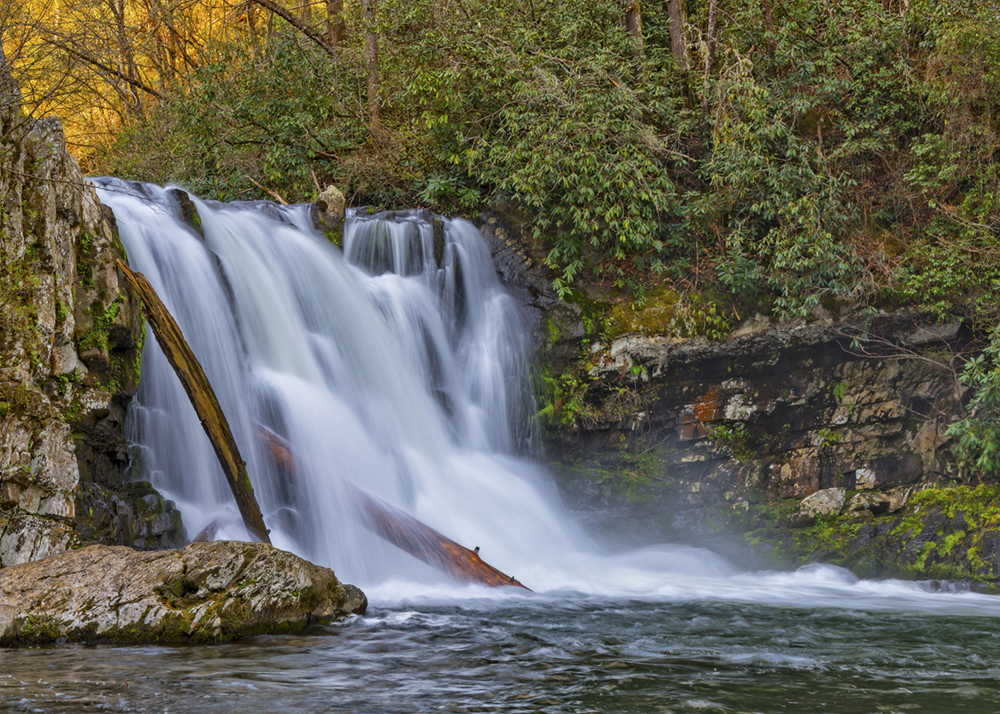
(781,444)
(206,592)
(684,438)
(70,338)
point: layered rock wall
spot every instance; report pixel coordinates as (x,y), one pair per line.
(774,414)
(70,338)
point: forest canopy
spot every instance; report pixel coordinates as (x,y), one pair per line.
(779,152)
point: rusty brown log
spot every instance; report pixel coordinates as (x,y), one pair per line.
(403,530)
(426,544)
(203,399)
(277,449)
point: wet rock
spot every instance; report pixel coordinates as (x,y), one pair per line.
(327,213)
(875,503)
(827,502)
(132,514)
(188,211)
(206,592)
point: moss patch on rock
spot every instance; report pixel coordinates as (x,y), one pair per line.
(206,592)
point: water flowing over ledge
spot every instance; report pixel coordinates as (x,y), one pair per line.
(398,365)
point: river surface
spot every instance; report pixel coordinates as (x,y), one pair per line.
(550,653)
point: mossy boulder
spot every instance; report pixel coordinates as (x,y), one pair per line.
(327,214)
(206,592)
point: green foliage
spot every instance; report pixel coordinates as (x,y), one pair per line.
(18,312)
(735,439)
(563,401)
(97,335)
(857,160)
(977,437)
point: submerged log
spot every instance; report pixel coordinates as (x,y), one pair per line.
(203,399)
(277,449)
(426,544)
(403,530)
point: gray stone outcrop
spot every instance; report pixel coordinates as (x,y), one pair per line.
(327,214)
(70,343)
(205,592)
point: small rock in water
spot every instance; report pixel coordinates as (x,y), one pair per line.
(327,213)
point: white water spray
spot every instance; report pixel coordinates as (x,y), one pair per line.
(399,365)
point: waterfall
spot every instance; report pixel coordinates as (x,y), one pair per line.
(398,364)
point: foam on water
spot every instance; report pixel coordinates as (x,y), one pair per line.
(402,368)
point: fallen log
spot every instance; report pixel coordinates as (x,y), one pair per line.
(403,530)
(278,449)
(203,399)
(426,544)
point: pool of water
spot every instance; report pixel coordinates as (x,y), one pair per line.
(561,653)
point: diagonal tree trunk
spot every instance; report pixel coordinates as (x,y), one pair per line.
(203,399)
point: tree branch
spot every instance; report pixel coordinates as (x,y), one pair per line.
(89,59)
(299,25)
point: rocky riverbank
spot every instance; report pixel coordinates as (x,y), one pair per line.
(776,443)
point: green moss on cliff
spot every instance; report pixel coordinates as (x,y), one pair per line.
(97,336)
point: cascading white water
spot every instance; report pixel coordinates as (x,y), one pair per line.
(386,370)
(398,365)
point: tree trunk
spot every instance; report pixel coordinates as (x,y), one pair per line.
(371,54)
(203,399)
(678,47)
(335,22)
(710,41)
(768,29)
(426,544)
(633,19)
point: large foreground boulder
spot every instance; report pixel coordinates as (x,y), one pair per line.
(206,592)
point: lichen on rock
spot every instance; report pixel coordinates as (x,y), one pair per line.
(327,214)
(205,592)
(71,337)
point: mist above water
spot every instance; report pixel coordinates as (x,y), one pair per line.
(399,365)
